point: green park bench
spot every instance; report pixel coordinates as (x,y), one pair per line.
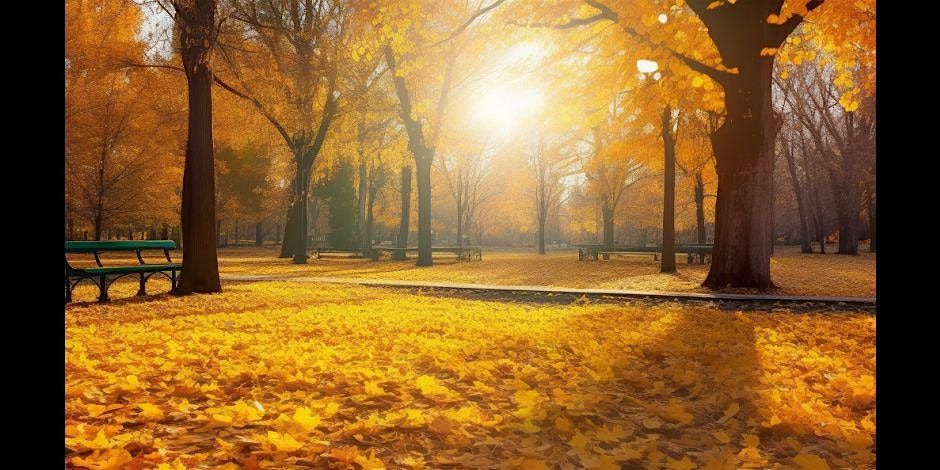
(463,253)
(103,276)
(596,251)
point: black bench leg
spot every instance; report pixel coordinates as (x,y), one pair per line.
(103,288)
(691,258)
(143,286)
(68,291)
(172,281)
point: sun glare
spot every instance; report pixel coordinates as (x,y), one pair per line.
(503,107)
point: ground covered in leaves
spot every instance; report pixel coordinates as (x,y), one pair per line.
(795,273)
(298,375)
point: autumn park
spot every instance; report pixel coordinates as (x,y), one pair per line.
(496,234)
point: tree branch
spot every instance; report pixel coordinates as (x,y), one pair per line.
(466,24)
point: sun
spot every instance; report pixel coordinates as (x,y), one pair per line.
(503,108)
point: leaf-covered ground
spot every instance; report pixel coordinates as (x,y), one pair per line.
(795,273)
(297,375)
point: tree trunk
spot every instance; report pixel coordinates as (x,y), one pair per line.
(541,236)
(701,237)
(220,240)
(165,232)
(289,239)
(403,225)
(370,221)
(845,190)
(459,226)
(805,246)
(364,243)
(871,224)
(607,213)
(236,232)
(277,236)
(300,229)
(668,258)
(259,234)
(744,152)
(200,272)
(423,167)
(98,224)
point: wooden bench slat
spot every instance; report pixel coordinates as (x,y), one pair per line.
(118,245)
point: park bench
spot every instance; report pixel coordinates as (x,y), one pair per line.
(318,253)
(103,276)
(463,253)
(596,251)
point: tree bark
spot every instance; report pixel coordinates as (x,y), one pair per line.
(744,152)
(289,241)
(871,224)
(423,167)
(259,234)
(200,272)
(541,236)
(364,243)
(700,209)
(805,246)
(668,258)
(423,155)
(607,213)
(845,189)
(300,228)
(403,224)
(460,217)
(98,224)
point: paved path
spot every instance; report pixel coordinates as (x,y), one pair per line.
(848,301)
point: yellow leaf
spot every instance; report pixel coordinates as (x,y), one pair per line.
(283,442)
(579,441)
(721,437)
(150,412)
(684,464)
(373,389)
(751,440)
(732,410)
(111,459)
(811,462)
(305,419)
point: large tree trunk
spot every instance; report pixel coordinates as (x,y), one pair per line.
(744,144)
(700,209)
(607,213)
(300,200)
(365,244)
(744,150)
(370,221)
(289,241)
(668,259)
(871,223)
(200,272)
(403,224)
(423,167)
(805,246)
(259,234)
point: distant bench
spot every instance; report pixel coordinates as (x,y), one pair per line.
(594,252)
(103,276)
(318,253)
(463,253)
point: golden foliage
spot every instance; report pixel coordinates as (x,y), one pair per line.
(279,374)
